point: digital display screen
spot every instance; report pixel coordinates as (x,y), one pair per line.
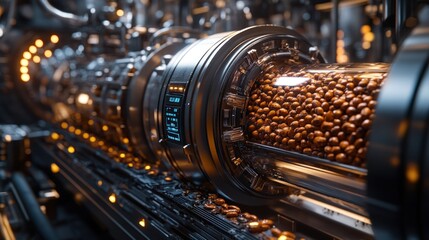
(172,123)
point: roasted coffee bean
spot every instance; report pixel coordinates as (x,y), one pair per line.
(268,222)
(319,141)
(365,112)
(219,201)
(209,206)
(276,232)
(254,227)
(251,217)
(231,214)
(317,121)
(326,126)
(348,127)
(234,208)
(349,150)
(366,124)
(341,157)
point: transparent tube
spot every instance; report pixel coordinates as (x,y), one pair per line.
(323,110)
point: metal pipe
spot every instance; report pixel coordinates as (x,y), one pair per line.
(68,17)
(29,202)
(334,28)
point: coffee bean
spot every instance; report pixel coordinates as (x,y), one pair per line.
(276,232)
(219,201)
(317,121)
(209,206)
(348,127)
(231,214)
(319,141)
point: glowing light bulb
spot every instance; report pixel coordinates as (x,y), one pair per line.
(55,136)
(23,69)
(120,12)
(142,222)
(32,49)
(71,149)
(26,55)
(55,168)
(112,198)
(38,43)
(83,98)
(48,53)
(64,125)
(36,59)
(55,38)
(85,135)
(24,62)
(25,77)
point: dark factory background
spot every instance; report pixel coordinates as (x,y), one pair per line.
(214,119)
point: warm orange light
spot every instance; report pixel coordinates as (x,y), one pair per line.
(71,149)
(142,222)
(388,33)
(412,173)
(71,129)
(55,136)
(112,198)
(36,59)
(368,37)
(32,49)
(55,38)
(85,135)
(365,28)
(147,167)
(122,155)
(120,12)
(55,168)
(105,128)
(23,69)
(26,55)
(38,43)
(8,138)
(25,77)
(125,140)
(92,139)
(90,122)
(64,125)
(48,53)
(99,183)
(83,98)
(24,62)
(78,132)
(366,45)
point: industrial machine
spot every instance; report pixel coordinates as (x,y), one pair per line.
(214,119)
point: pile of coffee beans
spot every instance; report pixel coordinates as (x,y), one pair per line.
(327,116)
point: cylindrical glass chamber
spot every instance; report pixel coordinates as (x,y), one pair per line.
(324,111)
